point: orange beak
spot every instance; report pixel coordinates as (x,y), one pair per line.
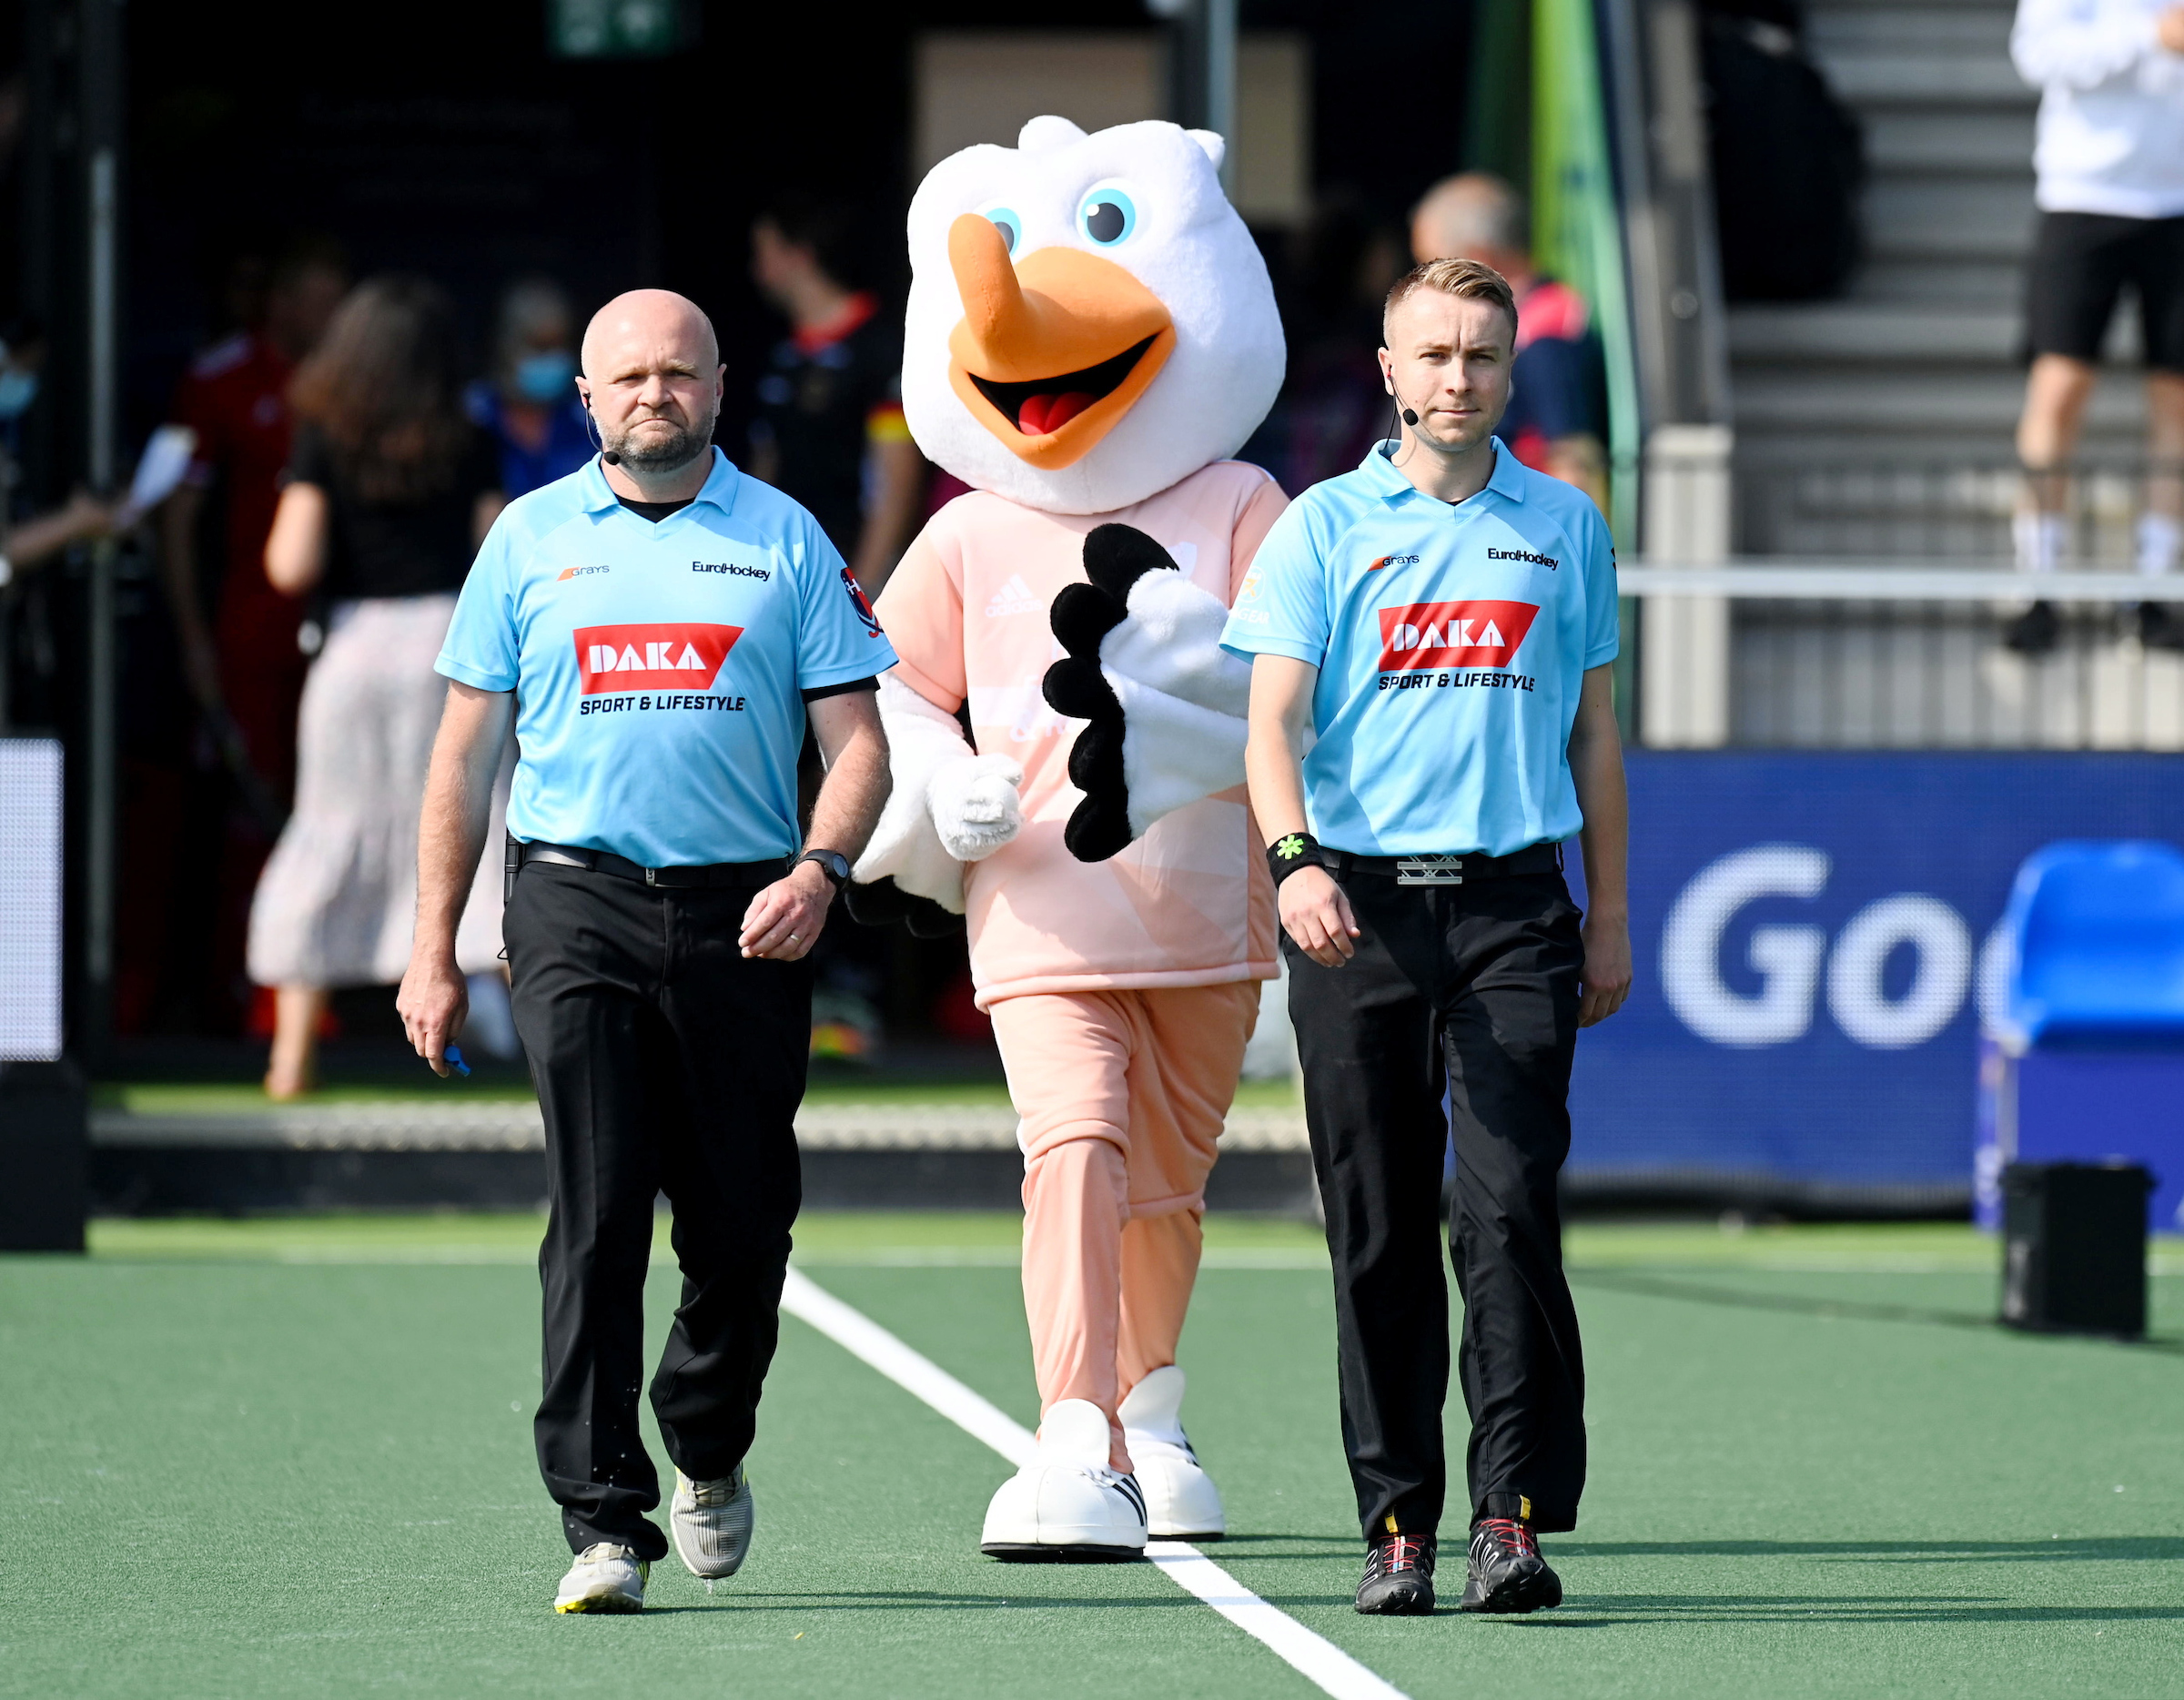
(1052,353)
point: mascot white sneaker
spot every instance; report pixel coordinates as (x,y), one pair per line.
(1091,332)
(1067,1504)
(1181,1503)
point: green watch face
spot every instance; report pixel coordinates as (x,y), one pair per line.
(1289,849)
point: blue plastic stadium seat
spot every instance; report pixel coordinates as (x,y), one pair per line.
(2096,932)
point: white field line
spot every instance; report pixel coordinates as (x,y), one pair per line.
(1318,1660)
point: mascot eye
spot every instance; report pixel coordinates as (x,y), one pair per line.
(1108,216)
(1007,223)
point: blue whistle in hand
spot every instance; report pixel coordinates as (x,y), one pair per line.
(455,1058)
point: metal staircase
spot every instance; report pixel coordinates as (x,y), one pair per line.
(1919,366)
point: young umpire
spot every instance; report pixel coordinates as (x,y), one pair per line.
(1444,618)
(660,627)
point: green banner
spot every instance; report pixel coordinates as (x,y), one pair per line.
(1577,234)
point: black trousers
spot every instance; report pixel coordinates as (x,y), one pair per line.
(1473,987)
(665,1062)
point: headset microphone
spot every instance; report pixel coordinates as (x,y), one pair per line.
(592,430)
(1410,416)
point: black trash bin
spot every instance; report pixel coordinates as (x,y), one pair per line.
(2074,1248)
(44,1154)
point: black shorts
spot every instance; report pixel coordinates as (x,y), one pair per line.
(2080,264)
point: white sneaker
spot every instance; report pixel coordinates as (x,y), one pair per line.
(605,1578)
(711,1523)
(1066,1503)
(1181,1503)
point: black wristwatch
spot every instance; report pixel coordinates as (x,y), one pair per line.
(831,862)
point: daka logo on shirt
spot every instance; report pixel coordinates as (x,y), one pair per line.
(677,656)
(1453,634)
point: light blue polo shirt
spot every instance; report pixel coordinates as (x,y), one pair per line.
(660,671)
(1451,641)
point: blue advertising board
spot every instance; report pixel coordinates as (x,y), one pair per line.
(1812,931)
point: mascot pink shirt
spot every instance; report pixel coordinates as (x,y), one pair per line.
(1091,333)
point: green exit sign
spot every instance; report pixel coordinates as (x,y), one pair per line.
(615,29)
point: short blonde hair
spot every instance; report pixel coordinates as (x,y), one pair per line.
(1466,280)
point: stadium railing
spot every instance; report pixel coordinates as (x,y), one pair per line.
(1867,607)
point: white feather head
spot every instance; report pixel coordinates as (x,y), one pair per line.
(1144,199)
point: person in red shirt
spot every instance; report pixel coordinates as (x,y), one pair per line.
(1557,419)
(238,644)
(235,397)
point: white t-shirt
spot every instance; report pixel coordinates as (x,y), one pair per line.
(2111,126)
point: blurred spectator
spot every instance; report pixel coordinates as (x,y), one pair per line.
(1334,404)
(1557,421)
(530,404)
(2110,162)
(829,429)
(235,397)
(390,490)
(29,541)
(237,637)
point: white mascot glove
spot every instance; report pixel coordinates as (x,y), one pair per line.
(975,804)
(1167,703)
(922,740)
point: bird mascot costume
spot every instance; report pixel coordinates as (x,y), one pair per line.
(1091,333)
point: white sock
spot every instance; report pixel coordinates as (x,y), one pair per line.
(2160,539)
(2038,538)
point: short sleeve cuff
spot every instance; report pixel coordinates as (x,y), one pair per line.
(818,693)
(477,678)
(1263,644)
(1601,655)
(847,672)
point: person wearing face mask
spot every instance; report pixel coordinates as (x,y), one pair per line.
(531,403)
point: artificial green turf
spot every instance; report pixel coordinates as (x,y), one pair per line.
(1818,1469)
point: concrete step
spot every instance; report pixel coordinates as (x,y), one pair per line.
(1934,143)
(1939,218)
(1957,31)
(1971,284)
(1925,78)
(1850,333)
(1866,333)
(1860,402)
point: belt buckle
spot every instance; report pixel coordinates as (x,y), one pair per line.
(1428,870)
(651,876)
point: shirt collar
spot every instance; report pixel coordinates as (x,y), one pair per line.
(719,488)
(1385,481)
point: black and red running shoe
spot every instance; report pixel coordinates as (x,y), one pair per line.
(1399,1576)
(1506,1573)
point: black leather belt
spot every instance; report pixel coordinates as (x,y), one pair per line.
(747,876)
(1448,870)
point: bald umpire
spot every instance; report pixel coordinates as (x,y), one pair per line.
(660,627)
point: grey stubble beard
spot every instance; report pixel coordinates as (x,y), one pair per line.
(672,456)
